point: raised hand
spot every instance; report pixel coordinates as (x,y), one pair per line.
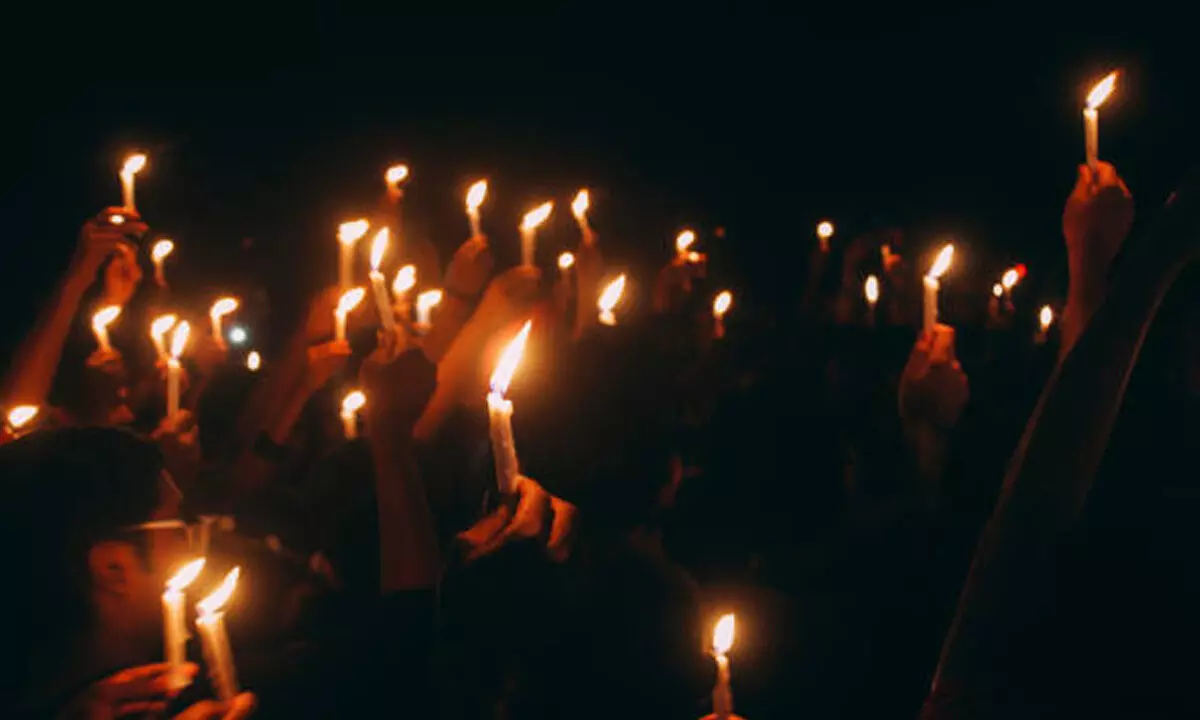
(1096,219)
(933,386)
(140,690)
(397,391)
(99,239)
(469,269)
(529,520)
(323,362)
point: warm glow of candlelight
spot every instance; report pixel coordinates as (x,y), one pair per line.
(350,300)
(611,295)
(217,599)
(134,164)
(21,415)
(116,219)
(566,260)
(537,216)
(253,361)
(428,300)
(506,366)
(396,174)
(186,575)
(353,402)
(579,206)
(379,246)
(179,339)
(723,635)
(161,250)
(105,317)
(1102,90)
(824,229)
(406,278)
(476,194)
(160,326)
(942,263)
(997,290)
(684,240)
(222,307)
(351,232)
(1045,317)
(721,303)
(1009,279)
(871,289)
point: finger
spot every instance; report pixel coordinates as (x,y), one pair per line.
(1105,175)
(242,706)
(141,707)
(203,710)
(147,681)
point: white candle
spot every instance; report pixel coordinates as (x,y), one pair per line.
(349,233)
(939,268)
(158,330)
(100,322)
(426,302)
(475,197)
(175,633)
(179,340)
(218,311)
(1091,117)
(579,208)
(158,254)
(214,639)
(351,404)
(722,696)
(500,410)
(378,287)
(824,233)
(721,305)
(609,299)
(133,165)
(529,226)
(683,243)
(346,303)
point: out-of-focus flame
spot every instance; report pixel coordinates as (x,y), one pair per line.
(942,263)
(1012,276)
(350,300)
(406,278)
(506,366)
(684,240)
(222,307)
(871,289)
(186,575)
(379,246)
(161,250)
(351,232)
(579,206)
(824,229)
(721,303)
(1045,317)
(105,317)
(566,260)
(723,635)
(21,415)
(217,599)
(160,326)
(179,339)
(997,290)
(133,164)
(353,402)
(1101,91)
(537,216)
(116,219)
(476,194)
(611,295)
(428,300)
(253,361)
(396,174)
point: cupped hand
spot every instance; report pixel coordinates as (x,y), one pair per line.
(99,238)
(933,386)
(1097,218)
(502,526)
(241,706)
(322,362)
(140,690)
(470,268)
(122,276)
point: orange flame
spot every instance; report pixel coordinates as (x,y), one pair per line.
(1102,90)
(566,260)
(21,415)
(217,599)
(684,240)
(161,250)
(427,300)
(179,339)
(824,229)
(133,164)
(537,216)
(186,575)
(579,206)
(506,366)
(222,307)
(379,246)
(1045,317)
(396,174)
(253,361)
(723,634)
(942,263)
(351,232)
(160,326)
(406,278)
(476,194)
(871,289)
(350,300)
(353,402)
(116,219)
(1010,278)
(611,295)
(721,303)
(105,317)
(998,289)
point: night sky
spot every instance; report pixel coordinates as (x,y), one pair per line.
(962,123)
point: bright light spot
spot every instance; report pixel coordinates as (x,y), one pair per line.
(238,335)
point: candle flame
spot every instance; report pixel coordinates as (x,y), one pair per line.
(253,361)
(406,279)
(350,300)
(537,216)
(133,164)
(1102,90)
(104,317)
(162,249)
(566,260)
(684,240)
(396,174)
(579,206)
(1045,317)
(476,194)
(353,402)
(21,415)
(186,575)
(942,263)
(824,229)
(217,599)
(116,219)
(723,634)
(350,232)
(997,290)
(721,303)
(871,289)
(222,307)
(506,366)
(378,247)
(160,326)
(611,295)
(179,339)
(428,300)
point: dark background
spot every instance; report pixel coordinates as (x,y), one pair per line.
(956,121)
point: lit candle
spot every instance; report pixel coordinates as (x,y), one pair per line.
(351,404)
(378,287)
(222,307)
(579,208)
(179,339)
(609,299)
(253,361)
(475,197)
(175,633)
(997,290)
(20,418)
(426,302)
(871,293)
(402,285)
(158,330)
(158,254)
(349,233)
(566,261)
(100,322)
(395,177)
(1045,320)
(1091,117)
(720,306)
(1009,280)
(133,165)
(683,244)
(824,233)
(215,640)
(500,411)
(722,696)
(529,225)
(346,303)
(939,268)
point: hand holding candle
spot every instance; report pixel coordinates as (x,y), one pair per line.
(609,299)
(500,410)
(402,285)
(1091,117)
(476,194)
(351,404)
(683,246)
(349,233)
(346,304)
(931,281)
(158,254)
(100,322)
(215,640)
(175,632)
(158,330)
(382,303)
(721,304)
(179,340)
(216,314)
(529,226)
(133,165)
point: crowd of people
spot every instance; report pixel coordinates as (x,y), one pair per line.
(823,470)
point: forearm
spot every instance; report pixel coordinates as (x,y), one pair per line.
(271,398)
(408,551)
(1085,293)
(36,360)
(452,316)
